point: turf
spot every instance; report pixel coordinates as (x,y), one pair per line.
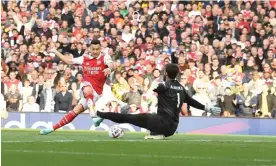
(64,148)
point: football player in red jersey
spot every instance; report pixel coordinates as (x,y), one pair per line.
(96,67)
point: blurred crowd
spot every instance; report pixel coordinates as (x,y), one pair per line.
(225,51)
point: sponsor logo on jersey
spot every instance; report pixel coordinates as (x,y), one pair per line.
(92,70)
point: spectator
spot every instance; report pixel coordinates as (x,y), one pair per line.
(76,88)
(42,12)
(50,75)
(273,93)
(189,90)
(14,81)
(30,105)
(14,99)
(228,103)
(133,97)
(246,102)
(146,85)
(38,87)
(63,99)
(4,88)
(265,102)
(216,91)
(120,88)
(79,51)
(24,24)
(148,96)
(255,83)
(6,51)
(47,97)
(188,87)
(137,77)
(26,91)
(273,64)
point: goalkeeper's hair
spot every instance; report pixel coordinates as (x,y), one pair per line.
(172,70)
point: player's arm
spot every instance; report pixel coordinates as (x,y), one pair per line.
(110,65)
(159,88)
(66,59)
(208,107)
(192,102)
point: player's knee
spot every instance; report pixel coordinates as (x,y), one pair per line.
(87,91)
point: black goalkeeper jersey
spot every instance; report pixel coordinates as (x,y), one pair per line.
(171,96)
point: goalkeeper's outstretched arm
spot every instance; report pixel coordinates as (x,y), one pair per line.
(208,107)
(192,102)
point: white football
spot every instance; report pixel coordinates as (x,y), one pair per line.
(116,131)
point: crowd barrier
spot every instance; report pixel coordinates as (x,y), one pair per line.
(187,125)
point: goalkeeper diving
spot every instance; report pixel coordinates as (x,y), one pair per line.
(171,96)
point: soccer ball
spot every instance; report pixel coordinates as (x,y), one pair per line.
(116,132)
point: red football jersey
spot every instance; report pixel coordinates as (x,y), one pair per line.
(93,70)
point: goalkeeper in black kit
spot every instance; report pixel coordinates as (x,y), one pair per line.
(171,96)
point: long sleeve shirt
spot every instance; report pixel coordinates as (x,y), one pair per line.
(63,101)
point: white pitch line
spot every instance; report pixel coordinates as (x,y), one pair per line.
(141,155)
(28,141)
(123,140)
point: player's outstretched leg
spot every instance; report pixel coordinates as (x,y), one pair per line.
(65,120)
(92,113)
(89,101)
(89,104)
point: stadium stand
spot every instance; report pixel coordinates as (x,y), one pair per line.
(225,51)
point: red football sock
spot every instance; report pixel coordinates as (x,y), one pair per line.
(65,120)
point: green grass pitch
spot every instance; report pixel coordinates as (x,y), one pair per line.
(87,148)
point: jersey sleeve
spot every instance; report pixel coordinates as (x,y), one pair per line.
(192,102)
(78,60)
(107,60)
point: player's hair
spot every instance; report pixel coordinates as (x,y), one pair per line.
(172,70)
(95,42)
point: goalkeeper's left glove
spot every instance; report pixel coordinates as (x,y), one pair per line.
(212,109)
(154,85)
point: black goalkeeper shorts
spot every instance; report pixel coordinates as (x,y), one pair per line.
(157,124)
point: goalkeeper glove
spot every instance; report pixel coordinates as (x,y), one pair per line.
(154,85)
(212,109)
